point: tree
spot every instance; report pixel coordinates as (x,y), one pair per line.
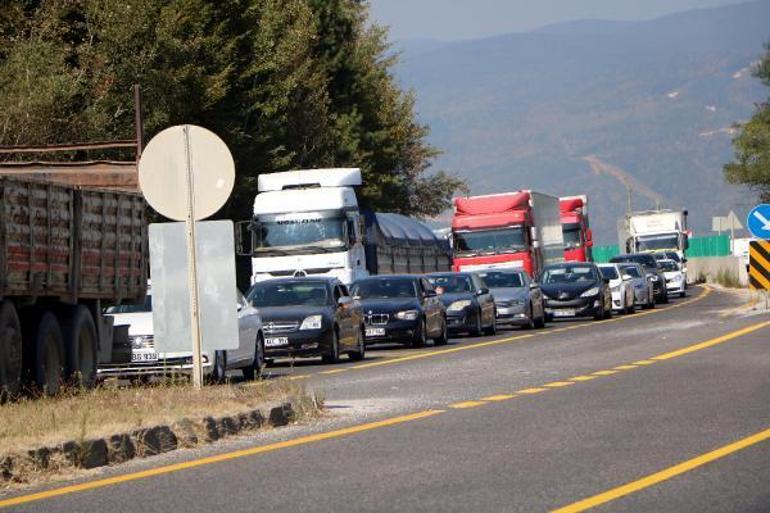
(751,166)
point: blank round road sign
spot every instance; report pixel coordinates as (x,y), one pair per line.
(163,172)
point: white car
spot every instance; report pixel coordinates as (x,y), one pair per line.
(676,279)
(623,299)
(145,361)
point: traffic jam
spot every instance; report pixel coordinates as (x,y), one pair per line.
(331,280)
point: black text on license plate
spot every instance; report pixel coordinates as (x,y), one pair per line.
(375,332)
(276,341)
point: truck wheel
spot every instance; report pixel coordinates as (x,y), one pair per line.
(10,352)
(44,363)
(79,334)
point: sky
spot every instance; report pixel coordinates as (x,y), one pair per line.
(449,20)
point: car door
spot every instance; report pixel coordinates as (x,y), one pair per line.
(486,301)
(431,305)
(247,333)
(343,304)
(535,295)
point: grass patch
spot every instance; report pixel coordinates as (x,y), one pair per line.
(727,278)
(32,423)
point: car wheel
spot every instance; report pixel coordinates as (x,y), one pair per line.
(254,370)
(421,337)
(608,311)
(601,314)
(478,330)
(219,369)
(333,356)
(360,353)
(530,319)
(683,294)
(442,339)
(632,307)
(491,330)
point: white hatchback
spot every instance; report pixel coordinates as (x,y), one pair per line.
(676,279)
(621,287)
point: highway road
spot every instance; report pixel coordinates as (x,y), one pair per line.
(664,410)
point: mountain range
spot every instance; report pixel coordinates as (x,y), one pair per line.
(590,106)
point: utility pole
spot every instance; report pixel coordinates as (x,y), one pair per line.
(628,193)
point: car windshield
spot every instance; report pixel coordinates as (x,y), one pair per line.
(646,261)
(657,242)
(568,274)
(276,233)
(298,293)
(490,241)
(631,270)
(501,279)
(384,288)
(451,284)
(145,306)
(609,272)
(571,233)
(668,265)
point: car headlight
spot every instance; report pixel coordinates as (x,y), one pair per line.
(653,277)
(594,291)
(677,277)
(459,305)
(312,322)
(407,315)
(142,342)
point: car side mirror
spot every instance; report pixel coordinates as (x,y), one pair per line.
(482,291)
(627,277)
(345,301)
(533,286)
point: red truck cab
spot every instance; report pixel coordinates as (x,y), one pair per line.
(578,238)
(509,230)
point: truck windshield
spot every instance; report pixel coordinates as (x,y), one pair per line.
(657,242)
(384,288)
(503,240)
(300,293)
(571,232)
(309,233)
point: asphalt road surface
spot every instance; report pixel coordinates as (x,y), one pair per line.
(663,410)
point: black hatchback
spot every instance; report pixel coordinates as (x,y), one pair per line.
(400,309)
(576,289)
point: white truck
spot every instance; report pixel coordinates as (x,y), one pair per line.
(654,230)
(308,223)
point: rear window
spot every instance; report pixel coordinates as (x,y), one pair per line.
(645,260)
(499,279)
(611,273)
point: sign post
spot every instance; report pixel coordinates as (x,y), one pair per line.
(187,173)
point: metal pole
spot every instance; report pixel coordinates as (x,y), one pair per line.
(197,371)
(628,192)
(138,121)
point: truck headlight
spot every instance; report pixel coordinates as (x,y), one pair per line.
(459,305)
(312,322)
(408,315)
(594,291)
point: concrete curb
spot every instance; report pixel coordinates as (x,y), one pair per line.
(141,443)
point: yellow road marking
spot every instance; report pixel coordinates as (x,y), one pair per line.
(559,384)
(663,475)
(604,373)
(167,469)
(467,404)
(530,391)
(498,397)
(711,342)
(333,371)
(624,367)
(583,378)
(644,362)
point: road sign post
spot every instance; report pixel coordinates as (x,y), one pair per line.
(187,173)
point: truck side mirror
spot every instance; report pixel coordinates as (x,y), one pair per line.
(589,237)
(589,243)
(244,238)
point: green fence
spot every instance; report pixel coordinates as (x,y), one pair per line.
(709,246)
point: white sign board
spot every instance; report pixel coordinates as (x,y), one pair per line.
(218,299)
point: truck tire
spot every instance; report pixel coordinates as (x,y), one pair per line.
(44,362)
(10,352)
(79,333)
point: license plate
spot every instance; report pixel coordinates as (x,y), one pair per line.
(276,341)
(375,332)
(144,356)
(564,313)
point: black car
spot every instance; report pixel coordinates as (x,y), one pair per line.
(576,289)
(470,306)
(653,270)
(401,309)
(309,317)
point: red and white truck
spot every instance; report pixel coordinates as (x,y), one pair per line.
(514,230)
(578,239)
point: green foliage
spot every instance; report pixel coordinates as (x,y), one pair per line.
(752,146)
(286,83)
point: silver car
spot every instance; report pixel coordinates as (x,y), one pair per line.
(518,299)
(644,293)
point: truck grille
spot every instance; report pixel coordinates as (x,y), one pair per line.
(376,319)
(272,328)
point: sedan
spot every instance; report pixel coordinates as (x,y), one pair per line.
(621,288)
(518,299)
(401,309)
(576,289)
(644,295)
(470,306)
(144,361)
(651,268)
(309,317)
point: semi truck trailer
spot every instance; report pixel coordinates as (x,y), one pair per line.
(515,230)
(578,238)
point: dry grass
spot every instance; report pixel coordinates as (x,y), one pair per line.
(104,411)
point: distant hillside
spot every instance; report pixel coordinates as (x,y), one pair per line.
(555,109)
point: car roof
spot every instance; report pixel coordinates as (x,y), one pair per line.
(569,264)
(462,273)
(303,279)
(391,276)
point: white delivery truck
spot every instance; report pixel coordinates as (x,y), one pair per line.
(308,223)
(654,230)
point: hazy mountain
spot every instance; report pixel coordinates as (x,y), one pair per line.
(582,106)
